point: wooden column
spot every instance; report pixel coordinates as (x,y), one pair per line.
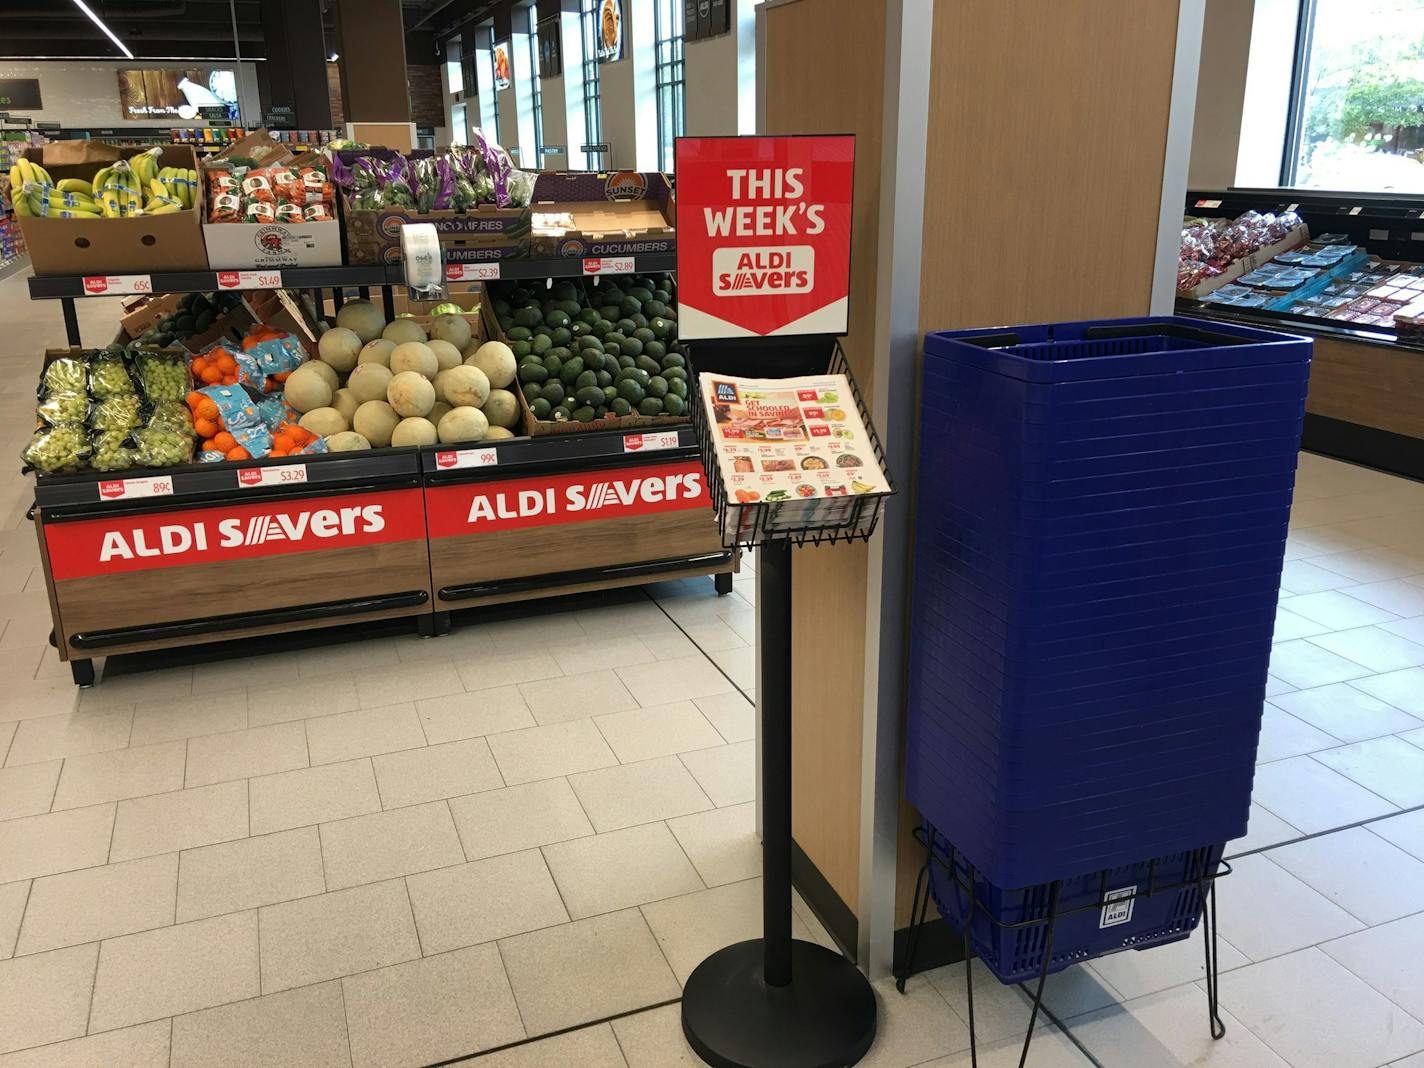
(371,42)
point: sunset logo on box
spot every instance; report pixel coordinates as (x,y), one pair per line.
(626,185)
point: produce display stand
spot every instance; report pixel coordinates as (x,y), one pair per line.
(152,558)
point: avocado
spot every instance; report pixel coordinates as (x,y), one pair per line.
(520,349)
(645,335)
(531,390)
(557,318)
(527,317)
(674,359)
(650,406)
(662,328)
(640,294)
(620,407)
(562,335)
(586,343)
(630,390)
(541,408)
(603,378)
(674,405)
(553,391)
(589,316)
(541,344)
(632,347)
(626,361)
(583,415)
(533,371)
(588,378)
(657,387)
(519,333)
(578,328)
(565,291)
(568,307)
(647,363)
(590,395)
(677,387)
(630,306)
(626,326)
(569,372)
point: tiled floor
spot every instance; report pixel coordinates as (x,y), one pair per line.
(395,851)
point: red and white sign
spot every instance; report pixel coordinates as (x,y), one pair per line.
(107,285)
(661,439)
(453,459)
(763,235)
(231,532)
(608,265)
(119,489)
(249,279)
(472,272)
(479,507)
(281,475)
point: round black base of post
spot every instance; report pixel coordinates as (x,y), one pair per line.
(824,1019)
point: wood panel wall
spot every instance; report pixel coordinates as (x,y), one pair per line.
(1367,384)
(1047,132)
(823,70)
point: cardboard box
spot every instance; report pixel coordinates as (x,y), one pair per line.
(465,294)
(278,308)
(606,213)
(147,311)
(140,245)
(478,236)
(1246,264)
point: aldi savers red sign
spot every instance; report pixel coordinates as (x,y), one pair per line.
(507,504)
(231,532)
(763,235)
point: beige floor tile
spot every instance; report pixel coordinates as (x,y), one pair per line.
(914,1026)
(1282,736)
(715,636)
(301,699)
(669,645)
(349,735)
(674,680)
(537,629)
(1340,609)
(483,901)
(336,934)
(519,817)
(1308,795)
(1398,596)
(55,842)
(430,1010)
(1315,1014)
(1405,830)
(1374,647)
(460,644)
(188,717)
(1366,876)
(312,795)
(175,970)
(434,772)
(731,713)
(45,997)
(249,873)
(27,789)
(124,773)
(1403,689)
(144,1046)
(567,975)
(51,737)
(576,696)
(726,774)
(386,845)
(471,715)
(654,1040)
(491,669)
(722,843)
(1304,664)
(630,794)
(1134,974)
(691,927)
(114,691)
(645,733)
(347,658)
(588,1047)
(1345,712)
(1389,767)
(1001,1013)
(622,868)
(13,897)
(408,682)
(96,903)
(638,615)
(549,751)
(183,819)
(25,699)
(303,1028)
(270,668)
(1168,1029)
(7,734)
(246,754)
(606,651)
(1266,911)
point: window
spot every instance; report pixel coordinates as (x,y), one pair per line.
(592,121)
(457,124)
(454,68)
(1356,120)
(669,76)
(533,38)
(487,41)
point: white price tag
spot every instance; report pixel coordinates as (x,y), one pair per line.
(472,272)
(1356,210)
(1208,203)
(249,279)
(450,459)
(282,475)
(117,489)
(662,439)
(108,285)
(1292,207)
(608,265)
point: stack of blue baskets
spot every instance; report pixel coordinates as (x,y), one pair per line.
(1101,519)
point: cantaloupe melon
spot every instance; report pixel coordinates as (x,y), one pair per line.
(451,328)
(501,408)
(375,421)
(346,441)
(438,410)
(324,422)
(369,381)
(403,330)
(327,372)
(339,348)
(415,356)
(345,402)
(378,351)
(363,318)
(465,386)
(446,354)
(497,433)
(496,360)
(414,431)
(462,424)
(411,395)
(307,387)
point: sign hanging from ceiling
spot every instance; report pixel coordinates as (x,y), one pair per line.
(178,94)
(20,93)
(763,235)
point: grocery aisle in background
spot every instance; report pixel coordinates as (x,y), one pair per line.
(384,850)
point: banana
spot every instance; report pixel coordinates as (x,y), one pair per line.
(71,213)
(163,209)
(27,171)
(21,201)
(78,201)
(74,185)
(42,174)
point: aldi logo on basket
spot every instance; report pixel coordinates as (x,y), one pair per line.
(232,532)
(613,494)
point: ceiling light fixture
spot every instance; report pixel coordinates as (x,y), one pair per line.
(333,57)
(82,6)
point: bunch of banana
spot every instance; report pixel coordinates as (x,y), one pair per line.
(145,165)
(176,184)
(24,171)
(117,191)
(47,201)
